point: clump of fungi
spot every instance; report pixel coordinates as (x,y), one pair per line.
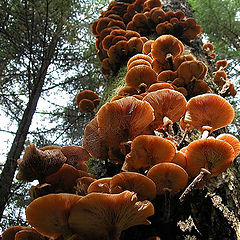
(142,136)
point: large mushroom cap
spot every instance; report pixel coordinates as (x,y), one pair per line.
(123,119)
(208,110)
(104,216)
(168,176)
(166,103)
(148,150)
(211,154)
(49,214)
(135,182)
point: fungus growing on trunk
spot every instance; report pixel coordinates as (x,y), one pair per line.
(37,164)
(169,105)
(168,177)
(208,112)
(148,150)
(104,216)
(143,186)
(49,214)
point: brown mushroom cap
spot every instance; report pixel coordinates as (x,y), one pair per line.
(168,176)
(86,106)
(208,47)
(134,182)
(166,103)
(82,185)
(101,185)
(94,143)
(104,216)
(232,140)
(164,45)
(159,86)
(75,155)
(37,164)
(9,233)
(180,159)
(49,214)
(86,94)
(122,120)
(140,74)
(148,150)
(28,234)
(212,154)
(208,110)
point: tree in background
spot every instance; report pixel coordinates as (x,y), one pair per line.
(43,48)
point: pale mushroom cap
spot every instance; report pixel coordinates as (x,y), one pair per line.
(104,216)
(49,214)
(168,176)
(208,110)
(135,182)
(147,150)
(166,103)
(212,154)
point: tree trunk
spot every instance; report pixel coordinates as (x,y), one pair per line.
(10,165)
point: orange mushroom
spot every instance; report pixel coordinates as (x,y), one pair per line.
(208,112)
(148,150)
(49,214)
(169,105)
(168,177)
(104,216)
(134,182)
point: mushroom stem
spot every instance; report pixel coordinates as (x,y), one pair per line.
(205,134)
(167,205)
(183,138)
(169,58)
(195,181)
(168,124)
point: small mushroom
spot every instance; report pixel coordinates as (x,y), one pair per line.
(101,185)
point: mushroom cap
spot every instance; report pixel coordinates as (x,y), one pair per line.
(208,110)
(104,216)
(49,214)
(139,56)
(123,119)
(208,47)
(93,143)
(140,74)
(9,233)
(86,94)
(127,91)
(221,63)
(168,176)
(28,234)
(148,150)
(75,155)
(232,140)
(101,185)
(82,185)
(166,103)
(164,45)
(159,86)
(212,154)
(134,182)
(86,105)
(36,164)
(139,62)
(180,159)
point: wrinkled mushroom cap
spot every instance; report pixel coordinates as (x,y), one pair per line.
(104,216)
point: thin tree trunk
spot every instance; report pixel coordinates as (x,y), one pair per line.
(10,165)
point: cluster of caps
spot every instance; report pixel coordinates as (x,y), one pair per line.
(87,101)
(122,30)
(163,65)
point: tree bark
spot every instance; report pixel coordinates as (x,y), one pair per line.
(17,147)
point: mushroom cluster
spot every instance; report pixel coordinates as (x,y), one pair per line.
(144,132)
(125,26)
(87,101)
